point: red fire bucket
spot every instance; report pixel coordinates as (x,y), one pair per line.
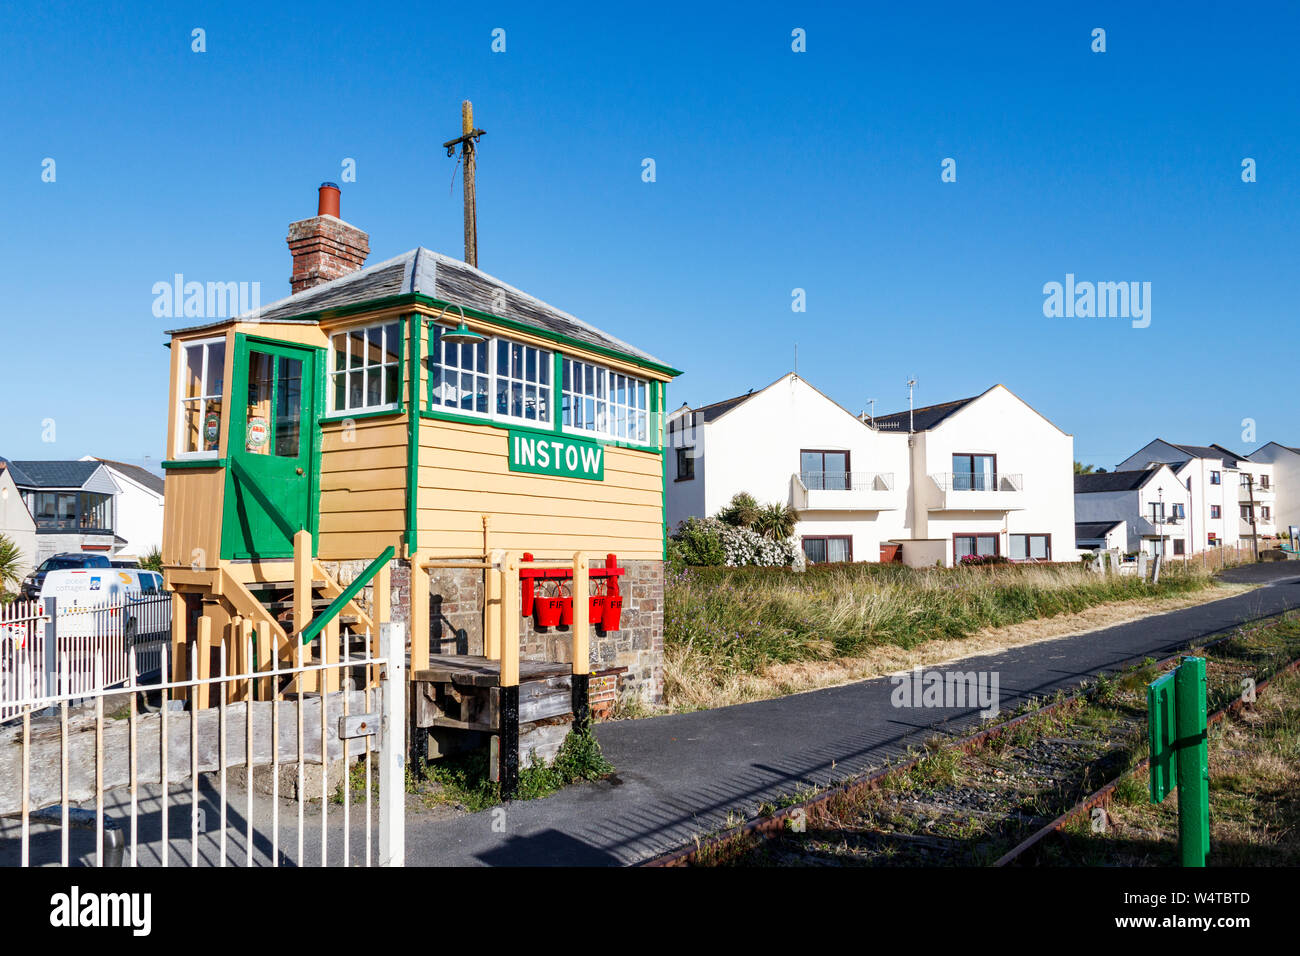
(613,611)
(566,608)
(546,611)
(598,605)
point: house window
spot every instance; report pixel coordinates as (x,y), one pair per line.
(973,545)
(1157,512)
(1216,511)
(974,472)
(71,511)
(599,400)
(1178,510)
(1245,512)
(824,470)
(823,549)
(1216,478)
(1030,547)
(1266,512)
(367,371)
(202,384)
(1263,482)
(685,464)
(1180,546)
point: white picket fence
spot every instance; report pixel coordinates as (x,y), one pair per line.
(90,647)
(118,778)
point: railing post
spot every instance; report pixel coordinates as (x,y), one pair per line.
(302,611)
(508,724)
(392,743)
(492,607)
(419,612)
(380,607)
(51,647)
(581,677)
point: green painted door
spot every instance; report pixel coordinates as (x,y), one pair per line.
(269,481)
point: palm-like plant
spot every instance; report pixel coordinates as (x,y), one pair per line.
(776,521)
(11,564)
(742,512)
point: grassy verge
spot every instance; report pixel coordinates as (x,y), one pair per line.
(735,634)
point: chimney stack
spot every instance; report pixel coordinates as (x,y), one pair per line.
(325,247)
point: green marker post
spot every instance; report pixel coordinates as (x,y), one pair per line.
(1179,744)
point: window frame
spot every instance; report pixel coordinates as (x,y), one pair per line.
(331,372)
(976,535)
(607,434)
(823,452)
(1216,477)
(685,454)
(206,395)
(1216,513)
(492,343)
(827,538)
(1027,535)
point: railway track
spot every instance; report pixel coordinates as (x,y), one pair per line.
(991,797)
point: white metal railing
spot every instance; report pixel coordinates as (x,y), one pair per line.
(136,767)
(847,480)
(977,481)
(90,647)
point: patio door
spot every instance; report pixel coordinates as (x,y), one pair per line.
(269,480)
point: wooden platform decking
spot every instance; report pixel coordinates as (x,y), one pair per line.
(469,670)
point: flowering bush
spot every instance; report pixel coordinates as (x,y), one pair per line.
(708,541)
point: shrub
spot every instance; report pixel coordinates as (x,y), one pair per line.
(699,542)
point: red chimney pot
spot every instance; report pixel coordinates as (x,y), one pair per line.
(328,203)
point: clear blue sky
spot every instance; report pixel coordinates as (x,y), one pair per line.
(775,170)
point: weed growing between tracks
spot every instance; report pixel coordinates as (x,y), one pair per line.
(729,631)
(954,807)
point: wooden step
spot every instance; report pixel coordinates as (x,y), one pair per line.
(279,585)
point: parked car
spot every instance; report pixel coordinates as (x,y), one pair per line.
(31,586)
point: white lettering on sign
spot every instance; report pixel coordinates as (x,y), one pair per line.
(556,456)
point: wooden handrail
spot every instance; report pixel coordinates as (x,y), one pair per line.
(308,634)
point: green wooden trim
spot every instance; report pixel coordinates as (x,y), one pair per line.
(544,432)
(178,464)
(661,401)
(557,392)
(308,633)
(317,446)
(337,417)
(414,337)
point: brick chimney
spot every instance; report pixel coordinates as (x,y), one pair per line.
(325,247)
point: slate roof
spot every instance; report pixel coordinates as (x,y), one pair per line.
(52,474)
(922,419)
(1094,529)
(707,413)
(424,272)
(1229,458)
(135,473)
(1112,481)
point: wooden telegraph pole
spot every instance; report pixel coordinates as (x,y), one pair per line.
(467,142)
(1254,531)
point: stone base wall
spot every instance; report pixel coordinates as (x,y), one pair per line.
(456,622)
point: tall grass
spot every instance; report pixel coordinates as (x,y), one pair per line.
(720,622)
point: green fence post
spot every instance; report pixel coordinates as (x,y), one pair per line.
(1193,762)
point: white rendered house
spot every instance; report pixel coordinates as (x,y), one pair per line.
(1284,482)
(1218,498)
(139,506)
(981,476)
(1150,503)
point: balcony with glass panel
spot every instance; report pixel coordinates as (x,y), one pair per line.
(845,491)
(977,491)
